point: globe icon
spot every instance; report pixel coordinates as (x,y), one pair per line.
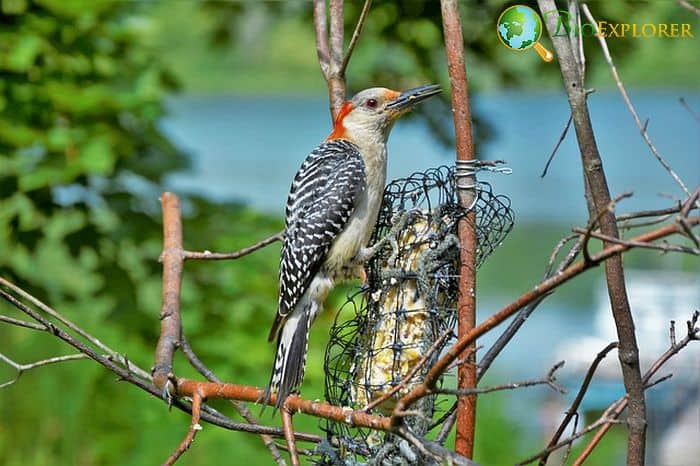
(519,28)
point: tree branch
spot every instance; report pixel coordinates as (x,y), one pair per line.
(22,368)
(541,289)
(594,175)
(288,428)
(191,432)
(628,101)
(573,409)
(355,36)
(693,334)
(216,256)
(464,145)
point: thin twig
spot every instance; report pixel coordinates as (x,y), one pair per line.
(692,112)
(628,102)
(70,325)
(550,381)
(288,428)
(22,368)
(543,288)
(355,36)
(216,256)
(573,409)
(191,432)
(689,7)
(609,209)
(621,404)
(636,244)
(562,136)
(22,323)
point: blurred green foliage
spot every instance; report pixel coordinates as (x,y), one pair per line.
(82,162)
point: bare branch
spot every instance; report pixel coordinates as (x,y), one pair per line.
(240,407)
(208,255)
(599,192)
(355,36)
(621,404)
(464,146)
(562,136)
(191,432)
(543,288)
(609,209)
(289,436)
(549,380)
(628,102)
(322,47)
(689,7)
(112,354)
(22,323)
(660,247)
(685,104)
(170,322)
(22,368)
(572,412)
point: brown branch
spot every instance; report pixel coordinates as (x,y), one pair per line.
(464,145)
(240,407)
(229,391)
(541,289)
(355,36)
(288,428)
(217,256)
(637,244)
(628,101)
(692,334)
(573,409)
(594,175)
(191,432)
(170,322)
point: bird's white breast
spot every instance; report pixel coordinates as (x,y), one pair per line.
(358,230)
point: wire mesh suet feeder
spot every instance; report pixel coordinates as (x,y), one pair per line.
(391,332)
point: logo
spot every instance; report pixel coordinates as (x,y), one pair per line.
(566,26)
(519,28)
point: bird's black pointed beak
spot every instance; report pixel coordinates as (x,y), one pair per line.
(409,98)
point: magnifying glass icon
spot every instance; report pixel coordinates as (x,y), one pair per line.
(519,28)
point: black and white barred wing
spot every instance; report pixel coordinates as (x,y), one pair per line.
(323,196)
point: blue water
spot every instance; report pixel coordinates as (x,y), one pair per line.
(248,148)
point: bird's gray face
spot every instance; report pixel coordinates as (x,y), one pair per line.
(376,109)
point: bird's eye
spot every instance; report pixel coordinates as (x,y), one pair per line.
(371,103)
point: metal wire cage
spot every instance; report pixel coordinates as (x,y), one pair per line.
(386,337)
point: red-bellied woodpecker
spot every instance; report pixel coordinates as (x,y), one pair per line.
(331,211)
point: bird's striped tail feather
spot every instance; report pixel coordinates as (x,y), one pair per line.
(290,360)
